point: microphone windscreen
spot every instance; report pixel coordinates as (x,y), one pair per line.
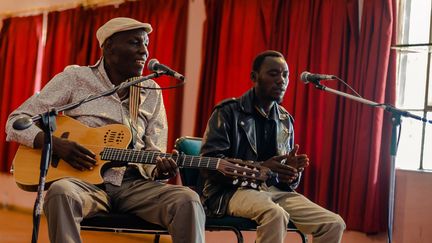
(22,123)
(152,65)
(304,76)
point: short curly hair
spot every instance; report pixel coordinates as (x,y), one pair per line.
(259,59)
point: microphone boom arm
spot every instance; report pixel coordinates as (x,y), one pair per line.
(386,107)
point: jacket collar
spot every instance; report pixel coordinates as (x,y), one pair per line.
(247,105)
(247,101)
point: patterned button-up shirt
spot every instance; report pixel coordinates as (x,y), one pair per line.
(78,82)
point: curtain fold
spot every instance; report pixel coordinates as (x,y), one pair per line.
(19,43)
(347,142)
(63,39)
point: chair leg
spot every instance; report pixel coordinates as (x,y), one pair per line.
(157,238)
(239,235)
(303,236)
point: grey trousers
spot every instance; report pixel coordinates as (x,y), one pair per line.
(273,208)
(177,208)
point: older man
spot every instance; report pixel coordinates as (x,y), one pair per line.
(134,188)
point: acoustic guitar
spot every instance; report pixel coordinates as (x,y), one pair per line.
(109,143)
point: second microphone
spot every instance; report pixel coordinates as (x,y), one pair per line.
(314,77)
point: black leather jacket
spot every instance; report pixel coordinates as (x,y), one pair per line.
(231,133)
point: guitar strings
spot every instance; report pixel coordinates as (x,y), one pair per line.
(116,154)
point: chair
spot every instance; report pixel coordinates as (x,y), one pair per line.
(125,223)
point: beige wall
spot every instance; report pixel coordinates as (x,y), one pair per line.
(193,61)
(413,206)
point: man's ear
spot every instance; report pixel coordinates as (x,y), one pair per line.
(253,76)
(107,46)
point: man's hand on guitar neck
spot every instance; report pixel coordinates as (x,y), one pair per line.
(76,155)
(165,167)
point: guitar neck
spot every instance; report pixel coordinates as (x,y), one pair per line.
(149,157)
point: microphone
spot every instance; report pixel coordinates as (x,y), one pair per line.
(314,77)
(155,66)
(23,122)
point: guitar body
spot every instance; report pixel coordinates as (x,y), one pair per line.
(27,160)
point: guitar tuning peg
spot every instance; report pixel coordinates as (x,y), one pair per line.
(254,185)
(235,181)
(244,183)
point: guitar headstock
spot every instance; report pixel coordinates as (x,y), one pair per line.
(244,173)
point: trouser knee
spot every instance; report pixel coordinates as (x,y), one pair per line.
(338,224)
(60,190)
(275,215)
(188,195)
(187,206)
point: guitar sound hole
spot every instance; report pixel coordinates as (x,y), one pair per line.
(113,137)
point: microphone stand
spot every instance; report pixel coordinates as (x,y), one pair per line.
(48,125)
(396,121)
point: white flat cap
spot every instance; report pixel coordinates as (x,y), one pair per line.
(118,25)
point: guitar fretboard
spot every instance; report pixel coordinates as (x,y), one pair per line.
(149,157)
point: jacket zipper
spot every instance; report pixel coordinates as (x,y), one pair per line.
(220,205)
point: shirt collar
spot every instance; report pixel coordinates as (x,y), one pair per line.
(102,74)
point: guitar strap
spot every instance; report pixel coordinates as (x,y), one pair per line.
(134,104)
(116,175)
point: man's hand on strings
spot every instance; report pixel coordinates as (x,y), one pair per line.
(165,167)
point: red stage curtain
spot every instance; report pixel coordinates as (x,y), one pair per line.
(64,35)
(78,28)
(19,43)
(347,142)
(234,31)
